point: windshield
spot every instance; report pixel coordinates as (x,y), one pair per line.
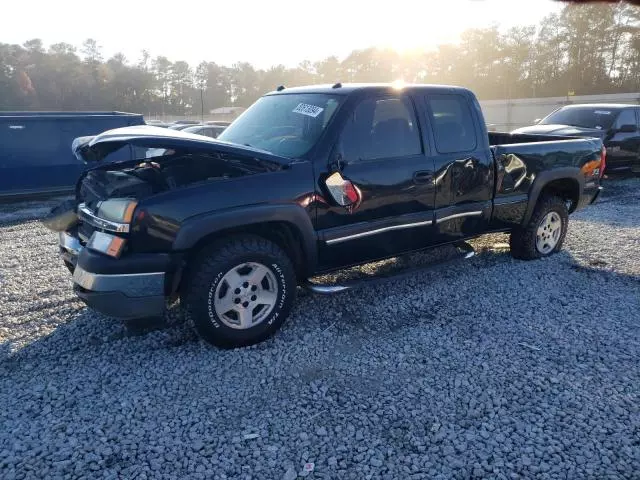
(285,125)
(586,117)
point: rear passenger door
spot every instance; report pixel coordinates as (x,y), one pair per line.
(463,177)
(380,150)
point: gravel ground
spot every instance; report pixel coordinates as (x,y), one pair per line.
(488,368)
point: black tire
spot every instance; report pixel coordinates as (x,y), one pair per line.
(208,270)
(523,239)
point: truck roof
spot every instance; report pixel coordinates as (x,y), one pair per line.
(348,88)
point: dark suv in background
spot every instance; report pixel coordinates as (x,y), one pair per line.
(617,125)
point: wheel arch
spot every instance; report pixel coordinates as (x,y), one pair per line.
(566,183)
(288,226)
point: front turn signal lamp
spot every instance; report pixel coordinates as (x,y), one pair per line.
(106,243)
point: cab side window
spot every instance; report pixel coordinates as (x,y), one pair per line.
(452,122)
(381,128)
(626,117)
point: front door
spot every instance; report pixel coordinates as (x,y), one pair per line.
(381,151)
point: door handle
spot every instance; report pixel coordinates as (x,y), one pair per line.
(422,176)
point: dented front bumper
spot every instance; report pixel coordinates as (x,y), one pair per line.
(124,296)
(128,288)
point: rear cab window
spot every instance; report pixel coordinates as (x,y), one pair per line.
(452,123)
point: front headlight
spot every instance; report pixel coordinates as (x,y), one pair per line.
(106,243)
(117,210)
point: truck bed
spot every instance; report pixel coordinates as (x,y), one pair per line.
(542,151)
(521,159)
(504,138)
(547,151)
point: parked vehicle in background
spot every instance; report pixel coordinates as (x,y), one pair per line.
(186,122)
(157,123)
(180,126)
(34,148)
(208,130)
(308,180)
(617,125)
(218,122)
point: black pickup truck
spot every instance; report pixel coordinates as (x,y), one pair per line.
(308,180)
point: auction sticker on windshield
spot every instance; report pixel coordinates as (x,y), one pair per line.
(308,110)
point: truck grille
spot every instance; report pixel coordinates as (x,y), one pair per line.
(84,232)
(93,188)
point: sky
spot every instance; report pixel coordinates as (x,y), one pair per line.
(262,32)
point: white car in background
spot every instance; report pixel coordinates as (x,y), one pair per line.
(207,130)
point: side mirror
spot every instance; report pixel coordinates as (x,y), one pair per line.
(627,128)
(343,192)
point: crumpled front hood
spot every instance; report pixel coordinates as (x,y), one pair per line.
(563,130)
(95,148)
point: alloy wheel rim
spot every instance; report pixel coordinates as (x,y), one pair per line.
(246,295)
(548,233)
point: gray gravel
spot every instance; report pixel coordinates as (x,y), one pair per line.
(489,368)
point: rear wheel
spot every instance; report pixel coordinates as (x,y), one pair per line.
(240,291)
(545,232)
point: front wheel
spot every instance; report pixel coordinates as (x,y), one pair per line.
(239,292)
(545,232)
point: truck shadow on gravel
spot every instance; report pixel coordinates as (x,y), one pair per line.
(350,316)
(88,331)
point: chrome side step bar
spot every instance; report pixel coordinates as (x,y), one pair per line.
(467,249)
(324,289)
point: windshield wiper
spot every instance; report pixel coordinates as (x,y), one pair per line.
(257,148)
(268,164)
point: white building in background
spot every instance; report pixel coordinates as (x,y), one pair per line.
(506,115)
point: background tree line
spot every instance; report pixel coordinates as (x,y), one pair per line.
(586,49)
